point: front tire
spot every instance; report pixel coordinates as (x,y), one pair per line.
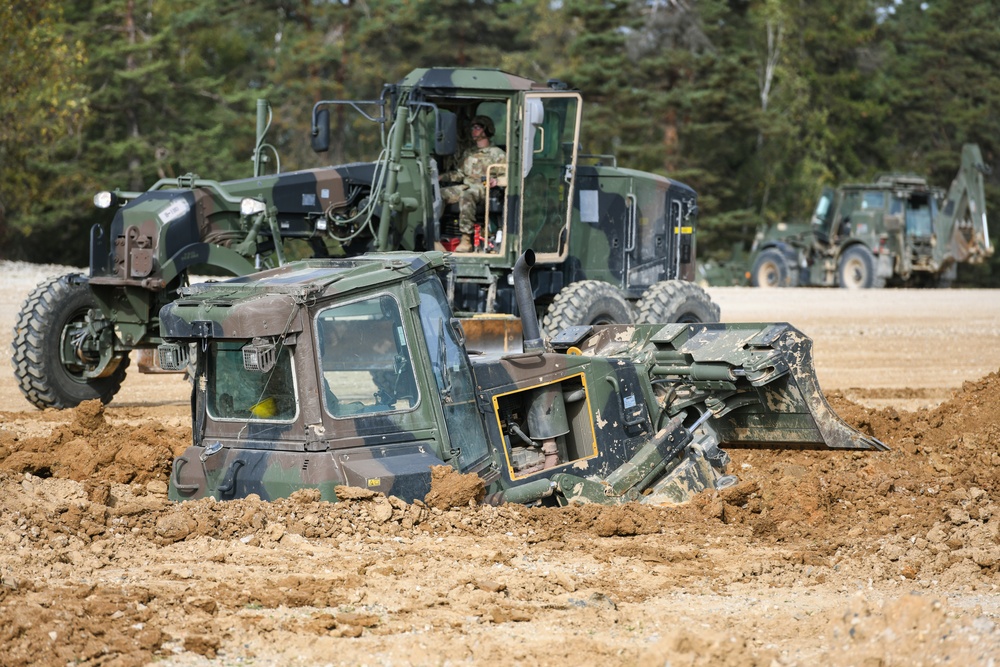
(57,308)
(856,269)
(678,301)
(586,302)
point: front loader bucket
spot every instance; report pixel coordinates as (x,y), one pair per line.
(759,383)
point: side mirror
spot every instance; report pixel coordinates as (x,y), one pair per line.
(445,132)
(321,131)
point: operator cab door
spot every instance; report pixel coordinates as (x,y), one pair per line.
(823,216)
(549,139)
(655,238)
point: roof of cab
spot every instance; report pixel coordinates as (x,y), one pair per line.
(467,78)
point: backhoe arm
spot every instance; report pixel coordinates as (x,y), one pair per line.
(961,229)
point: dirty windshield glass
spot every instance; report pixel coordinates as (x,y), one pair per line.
(364,358)
(238,393)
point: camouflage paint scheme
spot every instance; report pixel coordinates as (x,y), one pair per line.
(629,228)
(916,234)
(606,414)
(585,220)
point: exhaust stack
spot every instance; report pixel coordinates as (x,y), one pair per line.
(526,303)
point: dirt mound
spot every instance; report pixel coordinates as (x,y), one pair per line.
(89,448)
(451,489)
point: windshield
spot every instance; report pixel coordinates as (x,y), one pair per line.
(919,217)
(364,358)
(873,200)
(236,393)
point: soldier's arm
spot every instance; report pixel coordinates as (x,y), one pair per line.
(501,159)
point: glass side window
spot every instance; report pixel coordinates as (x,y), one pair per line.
(823,215)
(822,208)
(873,200)
(452,374)
(364,358)
(238,393)
(548,155)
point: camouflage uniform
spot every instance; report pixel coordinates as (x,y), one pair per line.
(471,190)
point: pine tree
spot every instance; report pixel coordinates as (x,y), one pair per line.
(42,112)
(943,65)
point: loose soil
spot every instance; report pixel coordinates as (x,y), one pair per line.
(813,558)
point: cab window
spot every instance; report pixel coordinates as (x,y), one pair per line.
(453,377)
(919,217)
(250,395)
(365,360)
(873,200)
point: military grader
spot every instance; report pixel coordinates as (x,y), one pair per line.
(613,245)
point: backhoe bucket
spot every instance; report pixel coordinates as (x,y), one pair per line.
(757,381)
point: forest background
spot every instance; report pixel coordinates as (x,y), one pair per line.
(755,103)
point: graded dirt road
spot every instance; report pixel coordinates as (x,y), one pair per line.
(814,558)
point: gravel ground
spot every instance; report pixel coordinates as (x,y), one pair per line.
(814,558)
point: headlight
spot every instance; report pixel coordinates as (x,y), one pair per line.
(173,356)
(250,206)
(105,199)
(260,355)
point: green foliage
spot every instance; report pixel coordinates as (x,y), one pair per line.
(755,103)
(943,65)
(42,113)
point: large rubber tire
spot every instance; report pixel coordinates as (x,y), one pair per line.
(856,269)
(770,270)
(586,302)
(676,301)
(42,377)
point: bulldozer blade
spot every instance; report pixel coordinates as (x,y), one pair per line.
(766,393)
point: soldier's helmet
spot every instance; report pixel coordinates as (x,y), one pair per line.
(487,123)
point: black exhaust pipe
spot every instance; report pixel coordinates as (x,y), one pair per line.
(526,303)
